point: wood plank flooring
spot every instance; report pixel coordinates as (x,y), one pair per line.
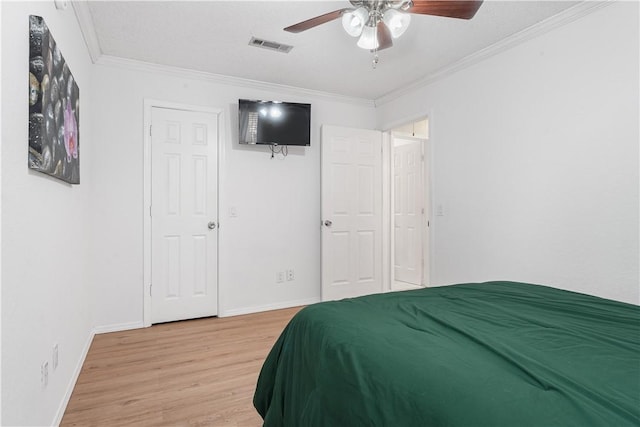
(195,373)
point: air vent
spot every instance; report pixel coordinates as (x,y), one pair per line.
(266,44)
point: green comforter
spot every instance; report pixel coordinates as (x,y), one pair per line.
(489,354)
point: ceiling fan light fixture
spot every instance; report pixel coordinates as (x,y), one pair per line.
(397,22)
(368,40)
(353,22)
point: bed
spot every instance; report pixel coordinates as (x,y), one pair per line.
(486,354)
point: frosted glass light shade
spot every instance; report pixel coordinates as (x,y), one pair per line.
(353,22)
(368,39)
(397,22)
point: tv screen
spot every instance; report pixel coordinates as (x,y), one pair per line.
(274,122)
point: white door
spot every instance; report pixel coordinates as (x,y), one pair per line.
(408,210)
(184,235)
(351,180)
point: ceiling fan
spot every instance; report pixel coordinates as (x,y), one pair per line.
(377,22)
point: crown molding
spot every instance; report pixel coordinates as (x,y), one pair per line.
(87,28)
(132,64)
(85,21)
(83,16)
(565,17)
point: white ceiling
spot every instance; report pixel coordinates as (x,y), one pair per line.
(213,36)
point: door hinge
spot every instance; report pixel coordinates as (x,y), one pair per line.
(150,126)
(150,211)
(151,290)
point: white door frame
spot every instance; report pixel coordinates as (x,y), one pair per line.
(149,104)
(428,174)
(424,232)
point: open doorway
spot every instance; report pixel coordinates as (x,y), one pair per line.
(409,206)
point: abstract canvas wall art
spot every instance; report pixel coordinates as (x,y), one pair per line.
(54,108)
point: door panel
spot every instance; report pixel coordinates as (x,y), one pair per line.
(408,210)
(351,212)
(184,200)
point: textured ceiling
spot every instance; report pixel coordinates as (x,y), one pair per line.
(213,36)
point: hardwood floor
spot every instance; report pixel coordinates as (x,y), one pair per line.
(195,373)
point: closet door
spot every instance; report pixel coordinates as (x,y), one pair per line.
(184,235)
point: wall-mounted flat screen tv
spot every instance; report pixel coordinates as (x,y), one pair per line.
(274,122)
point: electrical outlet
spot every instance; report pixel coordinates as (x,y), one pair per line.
(290,275)
(44,374)
(54,358)
(280,277)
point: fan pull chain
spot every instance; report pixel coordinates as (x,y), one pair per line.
(375,60)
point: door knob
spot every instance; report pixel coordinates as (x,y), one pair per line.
(328,223)
(211,225)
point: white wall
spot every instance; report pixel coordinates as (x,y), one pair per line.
(277,201)
(536,160)
(536,164)
(1,219)
(46,281)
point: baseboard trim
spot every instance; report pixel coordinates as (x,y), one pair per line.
(136,325)
(74,379)
(118,327)
(268,307)
(83,357)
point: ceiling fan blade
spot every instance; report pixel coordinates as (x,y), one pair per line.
(314,22)
(448,8)
(384,36)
